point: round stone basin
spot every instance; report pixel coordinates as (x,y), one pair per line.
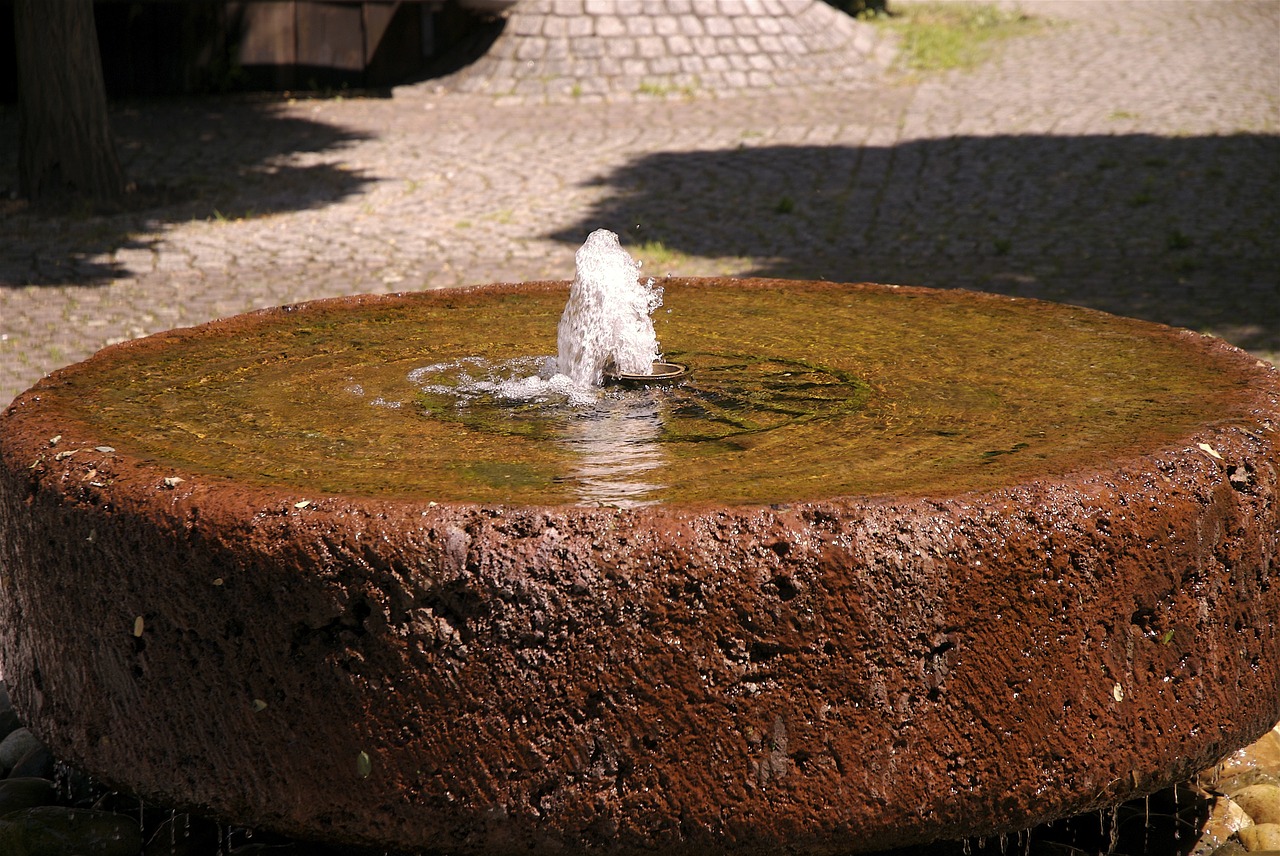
(889,565)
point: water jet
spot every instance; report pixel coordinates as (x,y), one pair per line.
(889,565)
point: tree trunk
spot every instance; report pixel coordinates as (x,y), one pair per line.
(65,150)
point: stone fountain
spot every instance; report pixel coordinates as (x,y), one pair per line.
(890,565)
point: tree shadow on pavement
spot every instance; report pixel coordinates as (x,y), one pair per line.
(189,159)
(1183,231)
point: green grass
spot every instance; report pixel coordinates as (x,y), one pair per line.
(657,254)
(220,217)
(957,35)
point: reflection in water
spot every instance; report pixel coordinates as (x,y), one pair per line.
(611,437)
(615,443)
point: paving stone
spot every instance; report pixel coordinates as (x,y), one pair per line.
(642,25)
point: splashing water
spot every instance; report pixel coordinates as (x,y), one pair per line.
(606,326)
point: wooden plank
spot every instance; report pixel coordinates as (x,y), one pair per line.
(268,32)
(331,36)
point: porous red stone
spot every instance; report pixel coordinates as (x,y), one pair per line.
(830,676)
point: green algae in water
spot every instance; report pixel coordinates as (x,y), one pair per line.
(796,391)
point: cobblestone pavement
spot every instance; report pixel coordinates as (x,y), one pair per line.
(1126,156)
(606,50)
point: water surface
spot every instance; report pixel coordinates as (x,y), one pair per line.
(797,390)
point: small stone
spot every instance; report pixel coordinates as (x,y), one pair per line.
(9,722)
(25,792)
(1260,802)
(38,763)
(1260,837)
(19,742)
(1225,819)
(57,831)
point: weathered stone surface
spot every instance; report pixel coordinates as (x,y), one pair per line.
(835,674)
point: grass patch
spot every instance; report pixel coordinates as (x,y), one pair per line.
(657,254)
(220,217)
(945,36)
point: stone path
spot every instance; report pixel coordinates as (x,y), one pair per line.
(1126,157)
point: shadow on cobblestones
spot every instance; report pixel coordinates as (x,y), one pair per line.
(1176,230)
(204,160)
